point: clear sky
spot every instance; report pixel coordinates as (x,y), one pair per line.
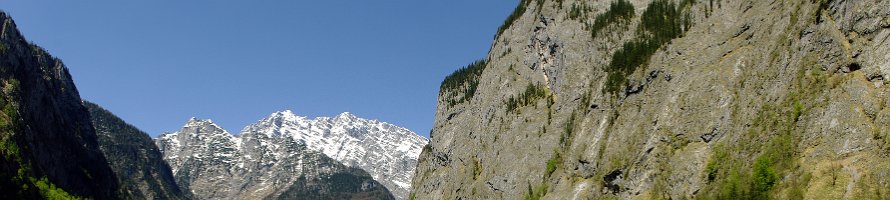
(157,63)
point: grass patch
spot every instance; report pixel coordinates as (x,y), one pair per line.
(764,178)
(50,191)
(761,163)
(536,193)
(728,172)
(477,169)
(553,163)
(716,162)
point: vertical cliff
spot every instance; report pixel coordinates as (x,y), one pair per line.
(664,99)
(48,145)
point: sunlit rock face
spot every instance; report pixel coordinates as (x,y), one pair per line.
(644,99)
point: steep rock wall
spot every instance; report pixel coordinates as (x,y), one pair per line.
(752,99)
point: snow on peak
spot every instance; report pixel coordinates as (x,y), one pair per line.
(346,116)
(286,115)
(387,152)
(194,121)
(204,125)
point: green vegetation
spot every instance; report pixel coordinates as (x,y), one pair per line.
(477,168)
(714,165)
(531,95)
(517,12)
(8,149)
(728,172)
(565,138)
(577,12)
(565,141)
(762,162)
(620,11)
(553,163)
(10,152)
(462,82)
(661,22)
(764,178)
(536,193)
(11,88)
(50,191)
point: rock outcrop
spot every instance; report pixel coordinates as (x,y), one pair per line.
(652,99)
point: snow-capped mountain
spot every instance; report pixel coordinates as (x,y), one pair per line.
(387,152)
(213,164)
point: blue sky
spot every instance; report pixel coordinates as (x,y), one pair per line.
(157,63)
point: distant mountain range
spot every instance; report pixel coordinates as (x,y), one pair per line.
(267,157)
(54,145)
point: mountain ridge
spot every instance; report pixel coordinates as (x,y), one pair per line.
(386,151)
(355,142)
(215,164)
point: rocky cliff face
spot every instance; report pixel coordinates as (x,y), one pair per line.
(135,160)
(389,153)
(213,164)
(646,99)
(48,145)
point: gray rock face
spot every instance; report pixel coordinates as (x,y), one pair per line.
(755,99)
(204,159)
(137,163)
(213,164)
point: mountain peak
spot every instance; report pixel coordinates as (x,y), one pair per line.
(284,112)
(346,115)
(203,126)
(388,152)
(194,121)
